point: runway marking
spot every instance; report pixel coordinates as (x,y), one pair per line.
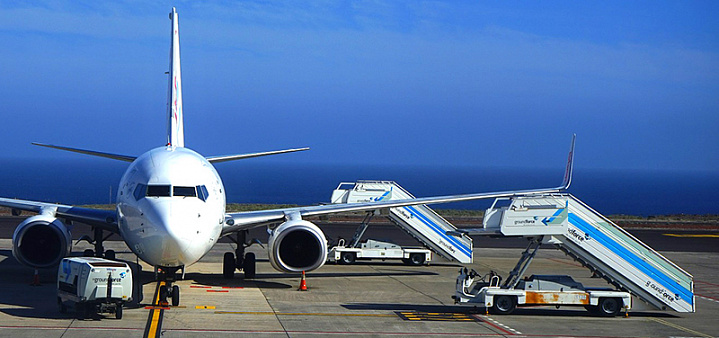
(437,316)
(679,327)
(709,299)
(693,235)
(210,307)
(304,314)
(499,325)
(154,318)
(218,290)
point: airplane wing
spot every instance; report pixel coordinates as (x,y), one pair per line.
(217,159)
(89,152)
(104,219)
(246,220)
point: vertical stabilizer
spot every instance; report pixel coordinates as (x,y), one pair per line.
(570,165)
(175,127)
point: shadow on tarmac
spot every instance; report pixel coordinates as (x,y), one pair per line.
(542,312)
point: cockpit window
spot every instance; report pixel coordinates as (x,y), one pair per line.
(140,191)
(158,190)
(184,191)
(202,192)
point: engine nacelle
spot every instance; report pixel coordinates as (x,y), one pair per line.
(297,245)
(41,241)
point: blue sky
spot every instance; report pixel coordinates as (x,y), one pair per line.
(481,84)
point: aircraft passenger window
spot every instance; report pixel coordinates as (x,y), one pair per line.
(158,190)
(140,190)
(202,192)
(184,191)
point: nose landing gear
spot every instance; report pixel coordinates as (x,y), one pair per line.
(167,289)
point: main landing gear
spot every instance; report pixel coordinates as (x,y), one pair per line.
(97,241)
(168,290)
(239,259)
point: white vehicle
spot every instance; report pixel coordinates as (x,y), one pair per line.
(537,290)
(372,249)
(171,209)
(93,285)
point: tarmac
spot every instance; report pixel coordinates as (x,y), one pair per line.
(366,299)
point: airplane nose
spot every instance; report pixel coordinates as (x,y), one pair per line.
(178,233)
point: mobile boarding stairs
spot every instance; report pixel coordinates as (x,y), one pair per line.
(421,222)
(592,240)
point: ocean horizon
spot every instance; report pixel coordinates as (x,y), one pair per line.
(611,192)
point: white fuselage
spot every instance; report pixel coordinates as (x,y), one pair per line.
(170,206)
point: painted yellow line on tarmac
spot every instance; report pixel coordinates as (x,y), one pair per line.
(693,235)
(205,307)
(437,316)
(154,319)
(679,327)
(304,314)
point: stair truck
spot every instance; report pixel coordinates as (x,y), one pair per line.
(642,278)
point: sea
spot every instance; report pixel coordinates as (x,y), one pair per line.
(611,192)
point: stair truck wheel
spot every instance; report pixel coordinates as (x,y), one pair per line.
(61,305)
(416,259)
(228,265)
(609,307)
(80,310)
(504,305)
(348,257)
(249,265)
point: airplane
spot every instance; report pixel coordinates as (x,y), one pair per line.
(171,209)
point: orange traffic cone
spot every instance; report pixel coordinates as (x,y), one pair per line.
(303,283)
(36,278)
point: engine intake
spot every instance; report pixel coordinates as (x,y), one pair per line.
(297,245)
(41,241)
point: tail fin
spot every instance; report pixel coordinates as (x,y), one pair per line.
(570,166)
(175,126)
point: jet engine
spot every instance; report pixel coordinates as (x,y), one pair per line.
(41,241)
(297,245)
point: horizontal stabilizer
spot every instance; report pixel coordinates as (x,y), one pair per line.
(216,159)
(90,152)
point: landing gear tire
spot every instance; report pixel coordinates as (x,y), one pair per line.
(228,265)
(609,307)
(175,295)
(504,305)
(163,294)
(110,254)
(88,253)
(348,258)
(249,265)
(416,259)
(118,311)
